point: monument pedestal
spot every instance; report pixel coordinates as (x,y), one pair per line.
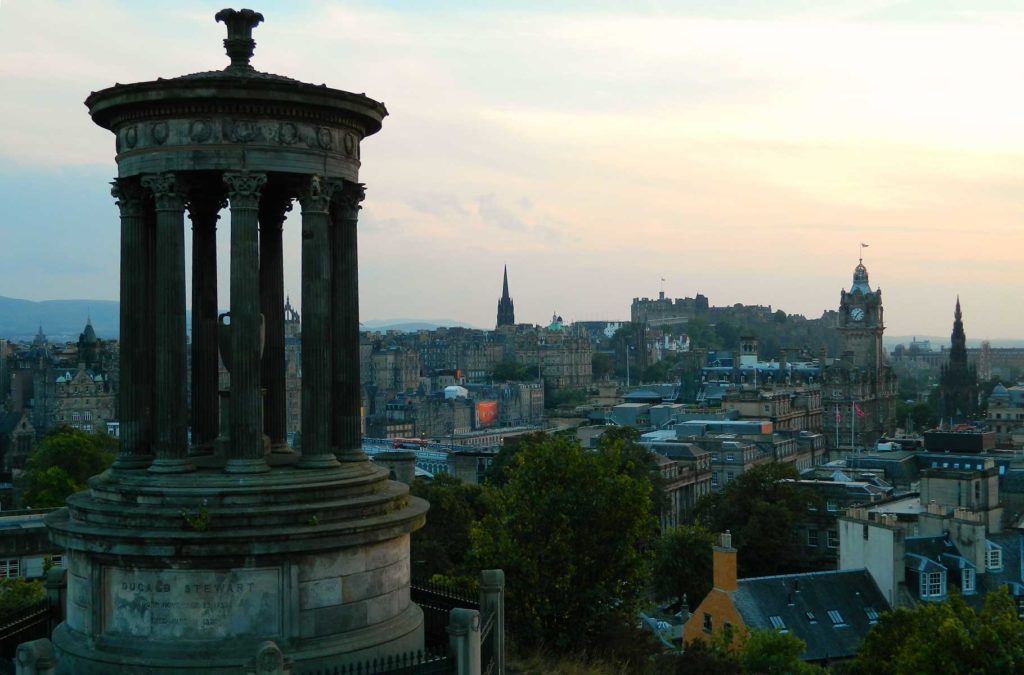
(191,573)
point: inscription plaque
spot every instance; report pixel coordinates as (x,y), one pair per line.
(192,604)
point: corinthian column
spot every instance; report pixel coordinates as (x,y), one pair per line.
(245,451)
(203,206)
(273,208)
(345,383)
(135,396)
(169,400)
(317,450)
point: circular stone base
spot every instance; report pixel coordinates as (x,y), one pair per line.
(192,573)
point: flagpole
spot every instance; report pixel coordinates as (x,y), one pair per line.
(853,421)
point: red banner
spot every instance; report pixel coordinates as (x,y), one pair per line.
(486,413)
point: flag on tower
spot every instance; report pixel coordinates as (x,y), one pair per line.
(863,245)
(839,417)
(856,409)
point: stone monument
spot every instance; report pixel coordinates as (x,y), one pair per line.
(189,557)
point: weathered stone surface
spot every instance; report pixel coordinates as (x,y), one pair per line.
(188,562)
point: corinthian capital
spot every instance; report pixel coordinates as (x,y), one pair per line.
(168,190)
(347,200)
(315,194)
(244,188)
(129,196)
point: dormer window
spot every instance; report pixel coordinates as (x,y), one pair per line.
(836,618)
(993,557)
(872,614)
(777,623)
(933,584)
(967,581)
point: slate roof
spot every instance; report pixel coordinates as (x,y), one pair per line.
(803,603)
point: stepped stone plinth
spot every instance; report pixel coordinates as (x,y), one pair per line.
(195,549)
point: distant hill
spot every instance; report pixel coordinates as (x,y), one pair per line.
(60,319)
(411,325)
(943,341)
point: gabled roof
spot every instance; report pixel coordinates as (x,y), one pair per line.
(830,611)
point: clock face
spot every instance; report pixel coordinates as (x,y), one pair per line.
(857,314)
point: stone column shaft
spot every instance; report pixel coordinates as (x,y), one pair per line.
(135,397)
(203,207)
(345,382)
(317,448)
(245,452)
(273,208)
(169,418)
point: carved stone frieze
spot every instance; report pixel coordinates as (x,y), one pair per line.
(239,130)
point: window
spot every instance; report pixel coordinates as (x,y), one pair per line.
(811,618)
(872,614)
(933,584)
(777,622)
(977,490)
(836,618)
(10,568)
(865,532)
(967,581)
(832,505)
(727,632)
(57,560)
(714,478)
(812,538)
(708,624)
(833,539)
(729,475)
(993,557)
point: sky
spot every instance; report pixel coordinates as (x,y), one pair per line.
(739,149)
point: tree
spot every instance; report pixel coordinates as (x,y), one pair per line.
(624,444)
(18,594)
(601,365)
(442,546)
(682,564)
(62,463)
(761,508)
(768,652)
(567,530)
(947,638)
(511,371)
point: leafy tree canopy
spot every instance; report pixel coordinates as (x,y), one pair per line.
(761,508)
(512,371)
(442,546)
(18,594)
(682,564)
(62,463)
(567,531)
(947,638)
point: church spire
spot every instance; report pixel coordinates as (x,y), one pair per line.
(506,310)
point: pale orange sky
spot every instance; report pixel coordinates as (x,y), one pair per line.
(740,154)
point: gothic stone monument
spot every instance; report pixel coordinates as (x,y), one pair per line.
(186,557)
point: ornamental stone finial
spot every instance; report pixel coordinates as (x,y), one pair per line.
(239,43)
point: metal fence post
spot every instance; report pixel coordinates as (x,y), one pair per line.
(492,602)
(464,636)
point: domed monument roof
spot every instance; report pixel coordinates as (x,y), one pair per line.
(999,391)
(238,116)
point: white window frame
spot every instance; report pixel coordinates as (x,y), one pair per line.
(830,541)
(10,568)
(813,538)
(967,581)
(993,557)
(933,584)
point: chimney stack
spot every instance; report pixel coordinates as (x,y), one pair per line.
(724,563)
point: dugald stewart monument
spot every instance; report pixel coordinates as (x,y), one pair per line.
(191,553)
